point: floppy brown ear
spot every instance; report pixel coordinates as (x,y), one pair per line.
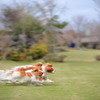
(40,64)
(49,65)
(36,70)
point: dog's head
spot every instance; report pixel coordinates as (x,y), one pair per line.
(37,64)
(37,72)
(49,68)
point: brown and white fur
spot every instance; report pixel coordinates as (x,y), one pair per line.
(22,75)
(32,74)
(48,68)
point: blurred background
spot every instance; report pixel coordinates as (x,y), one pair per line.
(31,30)
(65,33)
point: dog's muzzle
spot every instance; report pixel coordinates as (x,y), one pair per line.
(53,71)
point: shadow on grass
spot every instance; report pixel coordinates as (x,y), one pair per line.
(25,85)
(50,84)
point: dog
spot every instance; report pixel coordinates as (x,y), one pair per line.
(33,74)
(47,68)
(21,75)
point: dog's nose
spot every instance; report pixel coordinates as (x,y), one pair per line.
(54,71)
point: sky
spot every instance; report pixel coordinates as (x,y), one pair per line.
(85,8)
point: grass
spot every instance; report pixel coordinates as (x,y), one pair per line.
(78,78)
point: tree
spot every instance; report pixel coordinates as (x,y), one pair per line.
(34,18)
(11,16)
(5,41)
(50,21)
(97,2)
(94,29)
(78,23)
(19,21)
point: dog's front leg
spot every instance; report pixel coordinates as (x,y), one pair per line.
(34,84)
(49,81)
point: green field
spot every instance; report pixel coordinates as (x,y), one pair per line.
(78,78)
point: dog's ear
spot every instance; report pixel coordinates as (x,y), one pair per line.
(36,70)
(37,64)
(40,64)
(49,65)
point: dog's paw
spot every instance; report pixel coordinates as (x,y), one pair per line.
(49,81)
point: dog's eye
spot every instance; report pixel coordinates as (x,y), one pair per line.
(35,70)
(49,71)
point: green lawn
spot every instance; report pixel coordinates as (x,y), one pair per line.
(78,78)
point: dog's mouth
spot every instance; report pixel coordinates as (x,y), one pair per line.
(49,71)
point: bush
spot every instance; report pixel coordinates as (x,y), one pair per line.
(22,56)
(51,57)
(16,56)
(98,47)
(29,58)
(38,50)
(61,48)
(0,57)
(21,48)
(48,57)
(60,58)
(98,57)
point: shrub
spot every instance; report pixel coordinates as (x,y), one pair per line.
(0,57)
(38,50)
(21,56)
(61,48)
(29,58)
(97,57)
(98,47)
(16,56)
(22,48)
(60,58)
(50,57)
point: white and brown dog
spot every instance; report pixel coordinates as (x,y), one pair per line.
(21,75)
(48,68)
(32,74)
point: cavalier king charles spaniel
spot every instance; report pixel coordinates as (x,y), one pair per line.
(34,74)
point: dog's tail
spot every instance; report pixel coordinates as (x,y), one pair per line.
(1,71)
